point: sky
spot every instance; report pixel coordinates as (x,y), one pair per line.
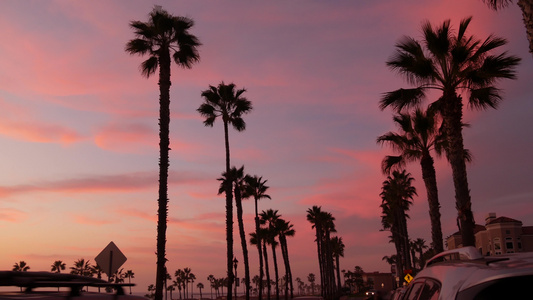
(79,129)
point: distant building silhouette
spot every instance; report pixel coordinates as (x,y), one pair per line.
(500,235)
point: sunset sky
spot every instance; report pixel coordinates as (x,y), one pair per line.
(79,129)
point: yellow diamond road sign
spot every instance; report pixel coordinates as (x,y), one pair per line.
(408,278)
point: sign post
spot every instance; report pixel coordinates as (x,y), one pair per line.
(110,259)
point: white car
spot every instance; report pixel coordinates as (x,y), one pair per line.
(463,274)
(52,286)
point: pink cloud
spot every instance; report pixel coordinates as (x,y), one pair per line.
(12,215)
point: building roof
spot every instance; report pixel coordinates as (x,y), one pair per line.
(503,220)
(477,229)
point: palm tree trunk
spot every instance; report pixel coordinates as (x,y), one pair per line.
(238,203)
(265,255)
(430,180)
(229,216)
(337,261)
(258,237)
(164,143)
(276,274)
(452,115)
(527,13)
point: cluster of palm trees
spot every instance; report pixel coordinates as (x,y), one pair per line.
(460,66)
(329,249)
(181,283)
(274,232)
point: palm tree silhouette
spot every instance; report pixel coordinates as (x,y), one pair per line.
(418,136)
(237,177)
(256,187)
(229,104)
(337,247)
(451,63)
(129,274)
(397,195)
(57,266)
(323,223)
(162,35)
(21,266)
(269,217)
(285,229)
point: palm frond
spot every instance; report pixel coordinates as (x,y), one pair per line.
(402,98)
(149,66)
(484,97)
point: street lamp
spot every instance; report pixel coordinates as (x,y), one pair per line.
(236,280)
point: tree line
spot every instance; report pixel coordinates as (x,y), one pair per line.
(449,63)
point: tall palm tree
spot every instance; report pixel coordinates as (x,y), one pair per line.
(419,246)
(129,274)
(211,279)
(269,218)
(162,36)
(21,266)
(311,279)
(397,195)
(418,136)
(451,62)
(237,177)
(323,223)
(527,14)
(229,104)
(57,266)
(285,229)
(263,237)
(337,247)
(256,187)
(200,286)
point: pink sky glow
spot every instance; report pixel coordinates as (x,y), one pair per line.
(79,129)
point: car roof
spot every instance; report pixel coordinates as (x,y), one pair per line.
(459,275)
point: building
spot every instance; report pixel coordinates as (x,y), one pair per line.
(499,235)
(382,282)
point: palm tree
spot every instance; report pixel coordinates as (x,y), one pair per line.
(397,195)
(285,229)
(237,177)
(21,266)
(418,136)
(323,223)
(262,237)
(256,187)
(270,217)
(82,267)
(57,266)
(337,247)
(311,279)
(452,63)
(419,245)
(211,279)
(129,274)
(200,286)
(527,14)
(229,104)
(162,35)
